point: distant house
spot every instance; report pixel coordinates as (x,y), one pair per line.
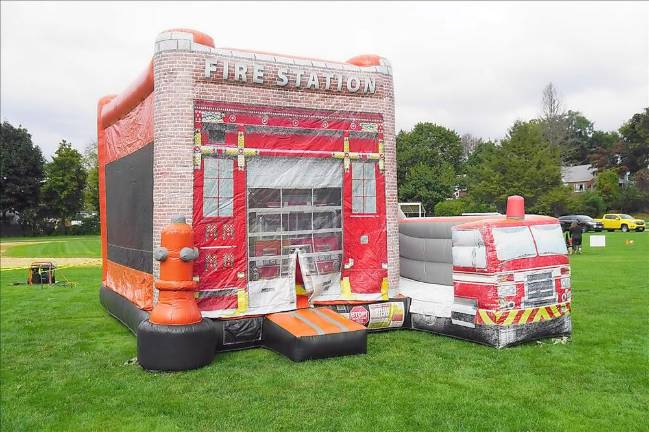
(579,177)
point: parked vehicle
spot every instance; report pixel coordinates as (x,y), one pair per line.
(586,223)
(623,222)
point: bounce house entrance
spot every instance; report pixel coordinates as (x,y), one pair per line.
(265,227)
(294,225)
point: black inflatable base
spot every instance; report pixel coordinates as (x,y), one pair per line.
(175,347)
(238,334)
(303,348)
(122,309)
(496,336)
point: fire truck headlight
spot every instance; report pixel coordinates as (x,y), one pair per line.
(565,283)
(506,290)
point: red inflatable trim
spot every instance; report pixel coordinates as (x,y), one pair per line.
(132,284)
(101,156)
(129,98)
(365,60)
(130,133)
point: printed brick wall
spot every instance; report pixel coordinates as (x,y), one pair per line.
(172,155)
(180,79)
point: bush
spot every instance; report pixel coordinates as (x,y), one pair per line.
(453,207)
(556,202)
(89,225)
(589,203)
(456,207)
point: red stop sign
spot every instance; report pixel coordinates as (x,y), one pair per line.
(360,315)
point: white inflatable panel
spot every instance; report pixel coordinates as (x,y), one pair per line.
(427,298)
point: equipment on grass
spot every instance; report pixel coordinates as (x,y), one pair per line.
(41,273)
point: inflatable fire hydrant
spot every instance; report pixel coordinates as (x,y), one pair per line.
(176,304)
(176,337)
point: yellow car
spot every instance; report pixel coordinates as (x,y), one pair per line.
(624,222)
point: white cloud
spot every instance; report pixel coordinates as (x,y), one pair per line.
(474,67)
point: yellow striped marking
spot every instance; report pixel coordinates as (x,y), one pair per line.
(346,288)
(384,289)
(510,318)
(485,317)
(541,315)
(494,317)
(525,316)
(555,311)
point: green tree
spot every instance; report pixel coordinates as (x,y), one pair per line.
(634,154)
(641,181)
(608,186)
(589,203)
(65,180)
(21,170)
(429,158)
(428,184)
(630,199)
(91,191)
(524,164)
(572,133)
(481,152)
(578,143)
(604,149)
(555,202)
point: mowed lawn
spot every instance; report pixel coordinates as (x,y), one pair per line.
(65,366)
(54,247)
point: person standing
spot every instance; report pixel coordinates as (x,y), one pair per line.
(575,237)
(566,237)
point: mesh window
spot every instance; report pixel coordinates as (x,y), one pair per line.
(218,187)
(363,187)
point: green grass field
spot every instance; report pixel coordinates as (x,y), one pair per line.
(65,366)
(55,247)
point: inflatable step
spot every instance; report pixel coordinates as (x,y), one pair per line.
(316,333)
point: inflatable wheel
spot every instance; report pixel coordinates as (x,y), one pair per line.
(175,347)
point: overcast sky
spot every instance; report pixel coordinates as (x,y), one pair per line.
(472,67)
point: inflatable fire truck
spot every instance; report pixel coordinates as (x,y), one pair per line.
(249,199)
(497,280)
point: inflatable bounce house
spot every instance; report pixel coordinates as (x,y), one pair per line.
(249,199)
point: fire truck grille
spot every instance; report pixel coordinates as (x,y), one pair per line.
(539,290)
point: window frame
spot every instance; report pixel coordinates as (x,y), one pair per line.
(460,241)
(364,181)
(498,234)
(221,211)
(556,246)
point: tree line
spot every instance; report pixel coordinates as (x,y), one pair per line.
(47,196)
(435,161)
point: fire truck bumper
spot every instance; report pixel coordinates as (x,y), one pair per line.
(501,328)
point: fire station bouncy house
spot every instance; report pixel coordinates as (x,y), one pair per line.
(249,200)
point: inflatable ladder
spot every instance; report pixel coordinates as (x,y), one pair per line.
(314,333)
